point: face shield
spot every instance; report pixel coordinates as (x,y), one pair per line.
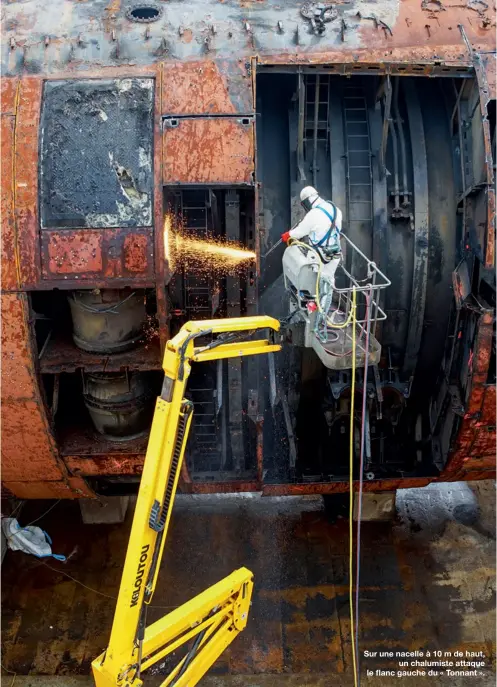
(309,202)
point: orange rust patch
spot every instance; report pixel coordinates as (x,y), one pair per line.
(209,151)
(206,87)
(74,253)
(45,490)
(135,253)
(105,465)
(187,36)
(26,179)
(9,271)
(91,253)
(28,449)
(8,90)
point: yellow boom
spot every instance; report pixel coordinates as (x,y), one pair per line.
(215,617)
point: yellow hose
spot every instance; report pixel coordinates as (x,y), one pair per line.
(351,480)
(351,319)
(329,322)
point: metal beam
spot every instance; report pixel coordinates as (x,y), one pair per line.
(421,227)
(386,121)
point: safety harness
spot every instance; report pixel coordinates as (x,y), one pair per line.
(324,242)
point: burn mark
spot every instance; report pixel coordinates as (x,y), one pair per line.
(96,154)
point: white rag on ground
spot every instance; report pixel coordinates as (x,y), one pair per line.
(29,539)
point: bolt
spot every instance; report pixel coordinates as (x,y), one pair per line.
(280,26)
(113,35)
(248,28)
(147,33)
(181,31)
(213,29)
(47,41)
(12,44)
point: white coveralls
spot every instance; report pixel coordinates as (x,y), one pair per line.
(316,225)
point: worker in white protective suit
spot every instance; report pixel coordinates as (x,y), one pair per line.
(322,226)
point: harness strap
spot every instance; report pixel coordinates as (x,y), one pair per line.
(325,240)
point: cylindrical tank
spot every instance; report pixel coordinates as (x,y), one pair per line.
(107,320)
(119,403)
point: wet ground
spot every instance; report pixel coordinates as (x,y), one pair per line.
(427,583)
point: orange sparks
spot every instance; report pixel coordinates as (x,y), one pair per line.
(202,254)
(168,241)
(214,248)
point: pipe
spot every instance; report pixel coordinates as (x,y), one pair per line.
(315,132)
(301,126)
(398,119)
(395,168)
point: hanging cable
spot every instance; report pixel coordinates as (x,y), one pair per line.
(351,486)
(329,321)
(361,472)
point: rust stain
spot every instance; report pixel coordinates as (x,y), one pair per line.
(309,489)
(187,36)
(105,465)
(8,89)
(29,453)
(8,235)
(74,252)
(206,87)
(482,74)
(489,66)
(476,438)
(417,59)
(209,151)
(443,36)
(18,378)
(135,253)
(28,448)
(73,489)
(26,180)
(88,253)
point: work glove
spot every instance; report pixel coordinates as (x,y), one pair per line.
(285,237)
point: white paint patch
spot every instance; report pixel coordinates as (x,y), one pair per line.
(144,159)
(124,85)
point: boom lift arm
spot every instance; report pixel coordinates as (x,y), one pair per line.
(216,616)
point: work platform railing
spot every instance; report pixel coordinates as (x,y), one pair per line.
(331,328)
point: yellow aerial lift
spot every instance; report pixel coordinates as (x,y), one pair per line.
(215,617)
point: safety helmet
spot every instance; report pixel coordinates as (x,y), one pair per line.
(308,196)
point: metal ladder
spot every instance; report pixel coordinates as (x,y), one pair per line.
(206,454)
(317,126)
(198,288)
(358,156)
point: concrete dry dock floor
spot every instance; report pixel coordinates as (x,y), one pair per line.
(427,582)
